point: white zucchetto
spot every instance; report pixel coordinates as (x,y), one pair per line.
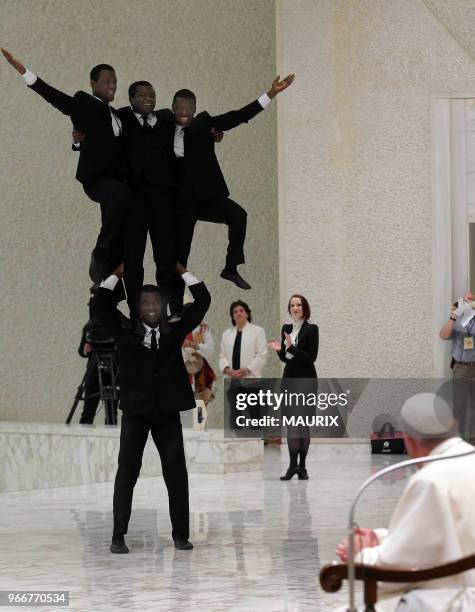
(427,415)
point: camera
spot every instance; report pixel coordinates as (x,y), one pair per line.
(98,337)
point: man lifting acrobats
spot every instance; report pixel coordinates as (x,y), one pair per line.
(154,387)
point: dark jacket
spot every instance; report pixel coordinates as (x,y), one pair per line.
(148,378)
(101,153)
(304,352)
(149,154)
(200,168)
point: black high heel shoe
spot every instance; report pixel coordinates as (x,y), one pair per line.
(303,474)
(290,473)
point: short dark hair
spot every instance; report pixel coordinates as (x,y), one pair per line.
(150,289)
(305,305)
(243,305)
(184,93)
(133,88)
(96,71)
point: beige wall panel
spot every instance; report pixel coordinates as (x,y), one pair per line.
(355,175)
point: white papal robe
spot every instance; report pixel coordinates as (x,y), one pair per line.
(433,523)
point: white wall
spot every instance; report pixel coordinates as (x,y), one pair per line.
(355,175)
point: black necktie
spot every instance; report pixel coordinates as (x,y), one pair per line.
(146,127)
(185,137)
(237,351)
(153,340)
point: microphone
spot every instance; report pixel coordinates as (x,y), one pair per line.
(359,492)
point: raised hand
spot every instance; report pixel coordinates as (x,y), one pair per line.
(274,345)
(216,135)
(11,59)
(180,268)
(119,271)
(78,136)
(278,86)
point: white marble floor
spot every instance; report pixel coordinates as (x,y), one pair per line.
(259,543)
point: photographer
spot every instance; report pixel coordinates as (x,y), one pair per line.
(460,329)
(90,332)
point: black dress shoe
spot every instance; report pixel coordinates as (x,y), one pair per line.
(236,278)
(118,546)
(290,473)
(303,474)
(183,544)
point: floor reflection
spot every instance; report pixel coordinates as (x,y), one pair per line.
(259,542)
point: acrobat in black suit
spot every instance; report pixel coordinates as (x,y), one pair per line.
(202,190)
(154,387)
(99,168)
(149,164)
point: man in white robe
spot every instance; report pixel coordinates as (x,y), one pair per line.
(434,521)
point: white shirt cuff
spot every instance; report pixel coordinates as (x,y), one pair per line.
(110,282)
(264,100)
(30,77)
(189,279)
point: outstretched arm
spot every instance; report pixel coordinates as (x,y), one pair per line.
(104,307)
(56,98)
(230,120)
(195,313)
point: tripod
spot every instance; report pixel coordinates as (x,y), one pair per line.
(103,363)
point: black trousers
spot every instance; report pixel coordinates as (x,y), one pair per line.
(153,212)
(115,200)
(217,210)
(167,435)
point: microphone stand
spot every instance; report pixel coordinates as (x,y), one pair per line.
(359,492)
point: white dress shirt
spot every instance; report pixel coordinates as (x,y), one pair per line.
(147,339)
(178,144)
(151,118)
(31,78)
(296,327)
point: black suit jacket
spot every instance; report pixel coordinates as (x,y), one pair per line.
(149,154)
(101,153)
(148,378)
(302,364)
(200,168)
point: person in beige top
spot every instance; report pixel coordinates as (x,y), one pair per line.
(243,354)
(460,330)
